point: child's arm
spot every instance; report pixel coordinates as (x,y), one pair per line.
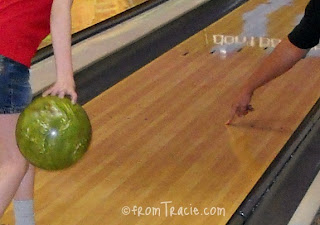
(61,41)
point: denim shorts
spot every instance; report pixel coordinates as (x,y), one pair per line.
(15,89)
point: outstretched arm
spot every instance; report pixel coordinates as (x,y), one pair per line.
(283,58)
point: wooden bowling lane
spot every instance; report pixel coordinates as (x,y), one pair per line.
(159,137)
(86,13)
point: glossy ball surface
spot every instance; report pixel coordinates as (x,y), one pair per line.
(52,133)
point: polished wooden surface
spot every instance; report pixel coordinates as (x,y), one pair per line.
(86,13)
(159,135)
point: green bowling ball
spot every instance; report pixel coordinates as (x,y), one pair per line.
(52,133)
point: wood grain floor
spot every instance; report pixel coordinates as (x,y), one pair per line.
(159,135)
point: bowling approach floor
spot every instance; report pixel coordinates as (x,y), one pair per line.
(159,139)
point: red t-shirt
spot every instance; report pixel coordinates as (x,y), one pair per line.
(23,25)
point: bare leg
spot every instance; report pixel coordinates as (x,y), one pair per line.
(25,190)
(23,200)
(13,166)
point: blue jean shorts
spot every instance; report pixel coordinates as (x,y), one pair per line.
(15,89)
